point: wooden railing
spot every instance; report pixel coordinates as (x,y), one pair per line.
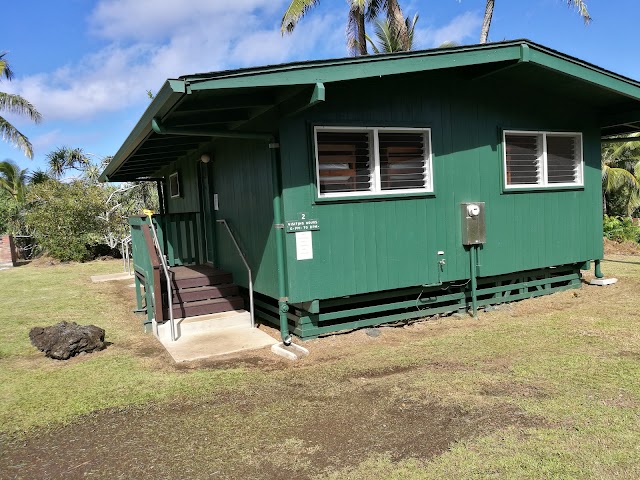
(146,266)
(180,238)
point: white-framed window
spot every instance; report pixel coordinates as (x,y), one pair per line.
(174,185)
(542,159)
(355,161)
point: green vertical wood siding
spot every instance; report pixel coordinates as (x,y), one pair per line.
(370,245)
(189,200)
(242,179)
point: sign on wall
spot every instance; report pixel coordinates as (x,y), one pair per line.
(304,245)
(303,224)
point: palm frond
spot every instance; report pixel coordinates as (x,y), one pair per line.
(292,15)
(11,134)
(411,26)
(614,178)
(374,47)
(16,104)
(374,9)
(356,36)
(13,179)
(5,69)
(64,158)
(582,9)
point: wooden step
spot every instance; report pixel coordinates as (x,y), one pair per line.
(204,293)
(193,279)
(205,307)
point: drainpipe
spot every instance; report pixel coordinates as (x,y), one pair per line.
(598,271)
(473,254)
(283,306)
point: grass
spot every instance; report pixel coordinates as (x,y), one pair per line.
(546,388)
(38,391)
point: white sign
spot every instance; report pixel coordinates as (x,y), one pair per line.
(304,245)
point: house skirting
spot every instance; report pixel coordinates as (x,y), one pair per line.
(400,305)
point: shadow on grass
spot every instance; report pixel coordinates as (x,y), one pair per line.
(621,261)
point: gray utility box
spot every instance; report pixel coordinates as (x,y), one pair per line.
(474,229)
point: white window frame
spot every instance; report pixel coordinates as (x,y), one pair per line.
(374,156)
(544,183)
(177,177)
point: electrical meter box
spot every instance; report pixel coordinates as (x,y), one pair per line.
(474,231)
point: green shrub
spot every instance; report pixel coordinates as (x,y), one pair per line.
(66,218)
(620,229)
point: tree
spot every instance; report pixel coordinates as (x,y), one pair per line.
(621,177)
(63,159)
(389,40)
(580,6)
(13,180)
(356,41)
(360,11)
(12,103)
(65,218)
(399,28)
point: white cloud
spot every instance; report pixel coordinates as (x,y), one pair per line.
(144,19)
(150,41)
(459,30)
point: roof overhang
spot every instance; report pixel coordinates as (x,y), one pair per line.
(190,111)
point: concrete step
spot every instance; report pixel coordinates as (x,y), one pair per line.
(205,307)
(188,327)
(217,342)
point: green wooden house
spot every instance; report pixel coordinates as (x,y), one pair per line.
(374,189)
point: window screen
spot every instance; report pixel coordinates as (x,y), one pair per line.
(523,160)
(544,159)
(563,158)
(403,160)
(348,162)
(344,163)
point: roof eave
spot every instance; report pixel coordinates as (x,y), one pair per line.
(168,96)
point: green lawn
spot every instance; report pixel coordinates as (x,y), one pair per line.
(546,388)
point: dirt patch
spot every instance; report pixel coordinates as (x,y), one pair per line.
(514,390)
(628,247)
(248,436)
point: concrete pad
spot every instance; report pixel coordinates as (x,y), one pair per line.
(202,324)
(111,277)
(217,342)
(603,282)
(290,352)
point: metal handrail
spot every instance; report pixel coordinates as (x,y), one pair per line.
(165,267)
(246,264)
(126,254)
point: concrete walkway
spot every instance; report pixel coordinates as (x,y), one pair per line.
(215,342)
(111,277)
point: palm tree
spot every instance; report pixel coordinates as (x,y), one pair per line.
(580,6)
(360,11)
(39,176)
(398,25)
(388,39)
(15,104)
(64,158)
(356,40)
(13,180)
(621,172)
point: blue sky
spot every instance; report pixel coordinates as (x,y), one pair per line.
(86,65)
